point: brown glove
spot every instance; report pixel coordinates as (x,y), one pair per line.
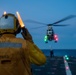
(27,35)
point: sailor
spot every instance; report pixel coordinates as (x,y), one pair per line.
(51,53)
(17,54)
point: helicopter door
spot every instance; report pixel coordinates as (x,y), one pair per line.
(49,32)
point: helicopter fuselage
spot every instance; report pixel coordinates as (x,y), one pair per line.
(50,35)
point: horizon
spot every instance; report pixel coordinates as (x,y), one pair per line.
(58,49)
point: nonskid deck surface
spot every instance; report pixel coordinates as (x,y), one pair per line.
(56,66)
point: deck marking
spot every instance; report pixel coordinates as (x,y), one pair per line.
(68,71)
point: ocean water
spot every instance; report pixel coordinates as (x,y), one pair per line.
(60,52)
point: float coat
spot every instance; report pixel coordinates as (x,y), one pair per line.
(17,54)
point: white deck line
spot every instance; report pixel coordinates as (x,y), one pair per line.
(68,71)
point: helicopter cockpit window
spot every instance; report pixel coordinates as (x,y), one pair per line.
(7,23)
(49,28)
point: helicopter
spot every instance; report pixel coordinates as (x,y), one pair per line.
(50,35)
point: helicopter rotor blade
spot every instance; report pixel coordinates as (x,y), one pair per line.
(32,21)
(64,19)
(38,27)
(51,25)
(60,25)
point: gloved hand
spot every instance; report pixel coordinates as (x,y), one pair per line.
(26,34)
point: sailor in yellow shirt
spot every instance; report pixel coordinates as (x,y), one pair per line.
(17,54)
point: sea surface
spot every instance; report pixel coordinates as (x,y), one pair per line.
(60,52)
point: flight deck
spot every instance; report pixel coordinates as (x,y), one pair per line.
(56,65)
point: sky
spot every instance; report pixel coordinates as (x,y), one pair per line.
(45,11)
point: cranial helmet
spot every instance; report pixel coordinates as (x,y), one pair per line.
(9,24)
